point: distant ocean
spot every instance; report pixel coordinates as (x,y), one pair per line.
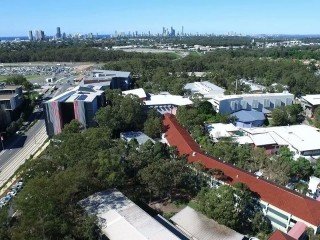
(26,38)
(13,38)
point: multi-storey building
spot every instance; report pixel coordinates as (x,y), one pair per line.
(228,104)
(80,103)
(11,99)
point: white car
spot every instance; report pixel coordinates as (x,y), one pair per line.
(12,193)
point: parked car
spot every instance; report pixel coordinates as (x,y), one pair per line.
(12,193)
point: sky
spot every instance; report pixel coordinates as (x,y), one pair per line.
(17,17)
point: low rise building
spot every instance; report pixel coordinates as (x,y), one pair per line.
(140,137)
(309,103)
(207,89)
(254,87)
(106,79)
(139,92)
(221,130)
(197,226)
(314,187)
(166,103)
(228,104)
(80,103)
(120,218)
(296,137)
(245,118)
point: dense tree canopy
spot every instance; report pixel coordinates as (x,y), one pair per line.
(234,207)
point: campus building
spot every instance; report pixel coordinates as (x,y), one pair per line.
(310,103)
(80,103)
(108,79)
(265,102)
(166,103)
(284,207)
(302,140)
(11,99)
(120,218)
(207,89)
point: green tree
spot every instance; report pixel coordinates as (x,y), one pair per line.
(280,117)
(234,207)
(302,168)
(153,125)
(20,80)
(295,113)
(317,117)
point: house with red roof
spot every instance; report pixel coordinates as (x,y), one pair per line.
(282,206)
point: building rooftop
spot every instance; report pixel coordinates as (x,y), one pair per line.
(167,99)
(137,92)
(207,89)
(298,230)
(6,96)
(198,226)
(120,218)
(219,130)
(249,116)
(10,87)
(312,99)
(79,93)
(110,73)
(255,95)
(278,235)
(289,201)
(139,136)
(297,136)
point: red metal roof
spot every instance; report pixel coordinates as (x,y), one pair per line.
(298,230)
(278,235)
(298,205)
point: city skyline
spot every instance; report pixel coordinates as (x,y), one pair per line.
(218,17)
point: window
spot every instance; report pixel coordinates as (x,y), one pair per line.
(277,103)
(288,101)
(255,104)
(278,213)
(277,222)
(244,104)
(266,103)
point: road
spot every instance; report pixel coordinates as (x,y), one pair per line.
(21,149)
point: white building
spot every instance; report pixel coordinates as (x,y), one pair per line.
(228,104)
(197,226)
(119,218)
(166,103)
(254,87)
(314,187)
(302,140)
(310,103)
(207,89)
(141,137)
(139,92)
(221,130)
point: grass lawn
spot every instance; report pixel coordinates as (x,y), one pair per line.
(28,77)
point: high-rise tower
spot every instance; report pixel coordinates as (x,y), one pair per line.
(30,36)
(58,34)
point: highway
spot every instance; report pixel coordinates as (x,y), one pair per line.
(21,149)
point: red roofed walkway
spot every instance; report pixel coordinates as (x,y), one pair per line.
(289,201)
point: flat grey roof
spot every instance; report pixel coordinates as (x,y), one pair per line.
(120,218)
(139,136)
(198,226)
